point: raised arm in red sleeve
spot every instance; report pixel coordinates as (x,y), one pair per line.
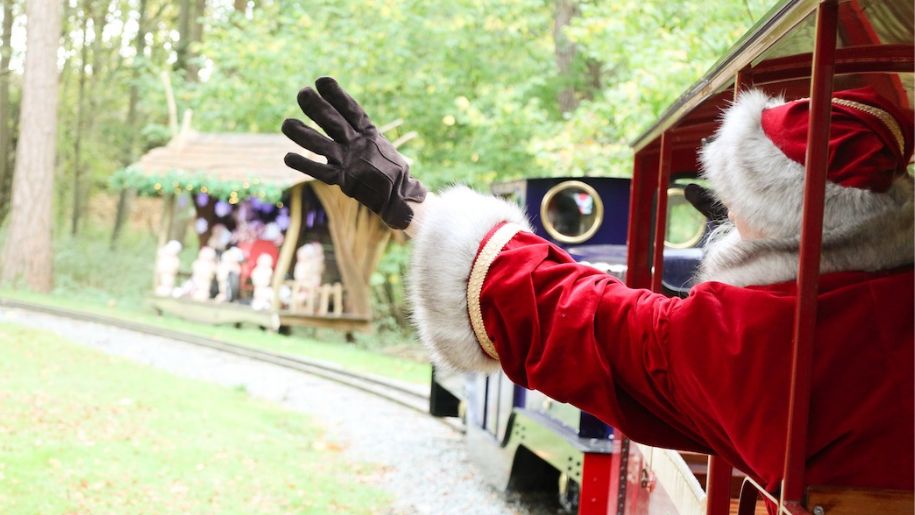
(581,336)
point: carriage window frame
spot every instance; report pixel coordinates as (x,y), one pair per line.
(551,228)
(693,240)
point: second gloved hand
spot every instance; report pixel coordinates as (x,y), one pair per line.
(359,158)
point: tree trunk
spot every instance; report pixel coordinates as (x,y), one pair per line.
(182,50)
(68,44)
(6,114)
(241,6)
(27,251)
(78,129)
(565,53)
(129,152)
(595,75)
(195,36)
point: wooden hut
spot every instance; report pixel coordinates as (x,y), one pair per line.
(216,170)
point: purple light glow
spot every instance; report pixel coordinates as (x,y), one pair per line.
(202,199)
(201,225)
(222,208)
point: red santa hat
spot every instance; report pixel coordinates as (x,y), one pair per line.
(755,163)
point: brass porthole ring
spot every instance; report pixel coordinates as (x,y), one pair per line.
(551,228)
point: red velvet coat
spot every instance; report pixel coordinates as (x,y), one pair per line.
(709,373)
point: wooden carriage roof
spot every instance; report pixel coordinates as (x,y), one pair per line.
(226,157)
(775,53)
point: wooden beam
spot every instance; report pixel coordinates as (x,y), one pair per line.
(168,212)
(338,323)
(287,251)
(212,313)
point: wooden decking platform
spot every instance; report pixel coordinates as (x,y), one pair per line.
(209,312)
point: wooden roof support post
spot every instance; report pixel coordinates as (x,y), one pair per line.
(743,81)
(718,479)
(168,214)
(638,252)
(660,220)
(805,316)
(287,251)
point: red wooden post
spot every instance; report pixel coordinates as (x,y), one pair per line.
(660,217)
(597,475)
(718,486)
(743,81)
(718,478)
(811,240)
(638,241)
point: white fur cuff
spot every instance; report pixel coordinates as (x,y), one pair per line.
(447,241)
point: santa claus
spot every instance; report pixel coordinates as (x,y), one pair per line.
(706,373)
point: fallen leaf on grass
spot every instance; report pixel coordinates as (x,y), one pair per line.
(324,445)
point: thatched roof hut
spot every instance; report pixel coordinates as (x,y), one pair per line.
(231,168)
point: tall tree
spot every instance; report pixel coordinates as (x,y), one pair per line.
(5,108)
(565,53)
(78,130)
(129,152)
(27,250)
(87,101)
(190,24)
(183,49)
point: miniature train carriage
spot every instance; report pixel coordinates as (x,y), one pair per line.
(275,247)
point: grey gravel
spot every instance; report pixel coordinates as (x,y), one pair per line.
(422,462)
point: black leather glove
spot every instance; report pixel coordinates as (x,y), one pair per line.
(359,159)
(705,202)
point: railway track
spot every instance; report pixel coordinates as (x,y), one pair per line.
(413,397)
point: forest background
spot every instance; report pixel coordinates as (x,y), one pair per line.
(494,89)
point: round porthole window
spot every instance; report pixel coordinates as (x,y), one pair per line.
(571,212)
(685,225)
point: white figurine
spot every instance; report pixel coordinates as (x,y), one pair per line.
(261,278)
(167,264)
(202,272)
(309,268)
(227,274)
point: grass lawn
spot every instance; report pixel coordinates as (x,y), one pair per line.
(343,354)
(81,431)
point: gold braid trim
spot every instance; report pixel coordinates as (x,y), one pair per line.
(475,285)
(884,117)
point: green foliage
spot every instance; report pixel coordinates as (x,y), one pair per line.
(477,81)
(651,52)
(466,75)
(176,181)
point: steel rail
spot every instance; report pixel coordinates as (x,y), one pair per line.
(404,395)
